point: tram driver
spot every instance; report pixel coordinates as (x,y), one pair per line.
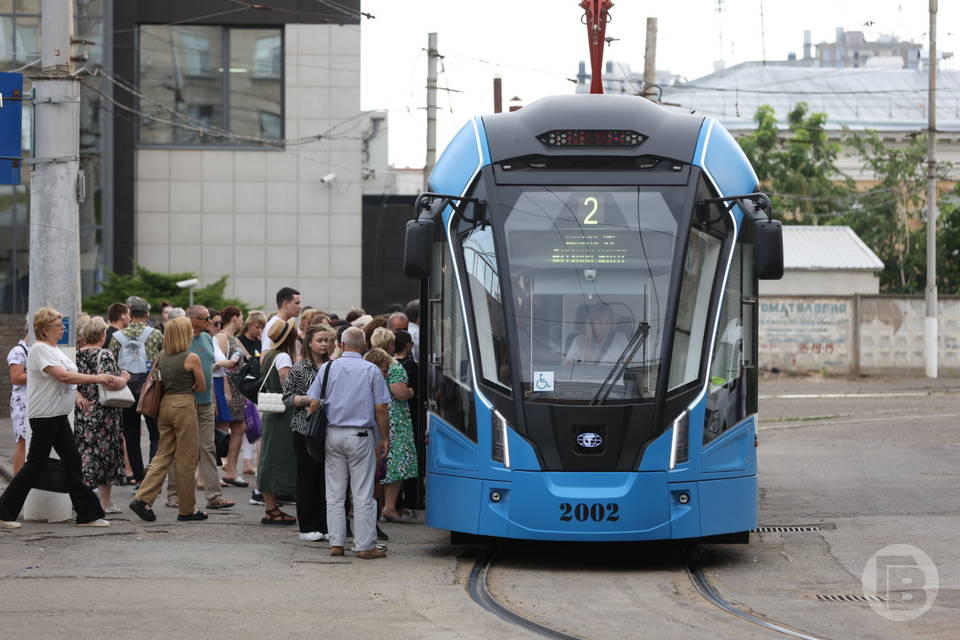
(599,343)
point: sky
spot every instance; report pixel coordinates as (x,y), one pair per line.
(536,45)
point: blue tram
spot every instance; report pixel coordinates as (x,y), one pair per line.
(589,270)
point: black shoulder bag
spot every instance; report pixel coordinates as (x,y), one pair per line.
(315,427)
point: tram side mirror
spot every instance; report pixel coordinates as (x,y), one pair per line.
(768,249)
(416,249)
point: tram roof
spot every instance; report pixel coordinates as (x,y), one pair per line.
(893,100)
(834,248)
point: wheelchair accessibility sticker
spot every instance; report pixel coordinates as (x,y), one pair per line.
(543,380)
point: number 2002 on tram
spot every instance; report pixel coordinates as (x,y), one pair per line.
(588,352)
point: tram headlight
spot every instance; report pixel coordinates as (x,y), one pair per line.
(500,448)
(680,448)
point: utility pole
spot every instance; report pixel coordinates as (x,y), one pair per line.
(650,61)
(54,210)
(932,341)
(432,55)
(497,94)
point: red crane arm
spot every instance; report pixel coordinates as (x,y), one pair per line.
(596,15)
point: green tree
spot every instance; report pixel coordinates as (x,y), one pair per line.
(156,287)
(798,170)
(888,216)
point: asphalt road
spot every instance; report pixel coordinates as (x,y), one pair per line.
(871,462)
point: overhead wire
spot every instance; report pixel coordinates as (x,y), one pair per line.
(203,128)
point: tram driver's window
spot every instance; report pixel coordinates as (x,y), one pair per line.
(483,281)
(699,270)
(724,404)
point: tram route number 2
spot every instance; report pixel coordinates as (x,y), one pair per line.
(597,512)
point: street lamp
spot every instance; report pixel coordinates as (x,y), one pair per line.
(189,284)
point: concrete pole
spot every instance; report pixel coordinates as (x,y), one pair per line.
(931,341)
(432,56)
(650,61)
(497,94)
(54,210)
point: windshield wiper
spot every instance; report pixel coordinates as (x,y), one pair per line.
(633,345)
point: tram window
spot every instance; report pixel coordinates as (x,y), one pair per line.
(453,395)
(589,272)
(696,287)
(480,258)
(724,404)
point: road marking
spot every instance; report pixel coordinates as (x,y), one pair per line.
(812,396)
(810,423)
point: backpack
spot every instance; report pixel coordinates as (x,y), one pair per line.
(133,351)
(248,379)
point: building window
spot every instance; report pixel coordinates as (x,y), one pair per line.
(210,85)
(19,31)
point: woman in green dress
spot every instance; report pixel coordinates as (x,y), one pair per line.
(402,457)
(277,470)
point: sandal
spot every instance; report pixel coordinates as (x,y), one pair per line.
(196,515)
(276,516)
(130,480)
(143,510)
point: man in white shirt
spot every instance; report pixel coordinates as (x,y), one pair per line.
(288,306)
(412,312)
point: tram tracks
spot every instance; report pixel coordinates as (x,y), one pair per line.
(479,590)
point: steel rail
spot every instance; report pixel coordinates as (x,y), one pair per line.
(709,592)
(480,592)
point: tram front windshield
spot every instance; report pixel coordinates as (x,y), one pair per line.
(589,272)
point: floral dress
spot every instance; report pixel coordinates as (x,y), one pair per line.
(18,393)
(402,458)
(236,400)
(99,430)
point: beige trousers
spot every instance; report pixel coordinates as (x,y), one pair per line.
(177,424)
(207,458)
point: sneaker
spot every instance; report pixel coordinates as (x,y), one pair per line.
(112,509)
(372,554)
(10,524)
(219,502)
(312,536)
(256,498)
(99,522)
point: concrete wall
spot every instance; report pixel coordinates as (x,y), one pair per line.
(855,335)
(263,217)
(806,282)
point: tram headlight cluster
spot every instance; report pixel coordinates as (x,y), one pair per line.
(680,448)
(500,449)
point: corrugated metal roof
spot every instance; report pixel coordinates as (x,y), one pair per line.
(859,98)
(827,247)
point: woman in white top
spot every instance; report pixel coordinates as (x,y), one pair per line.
(52,379)
(599,343)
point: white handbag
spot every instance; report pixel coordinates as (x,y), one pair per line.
(122,398)
(270,402)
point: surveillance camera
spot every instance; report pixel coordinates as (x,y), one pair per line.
(327,179)
(186,284)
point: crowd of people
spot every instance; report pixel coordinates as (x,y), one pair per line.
(360,371)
